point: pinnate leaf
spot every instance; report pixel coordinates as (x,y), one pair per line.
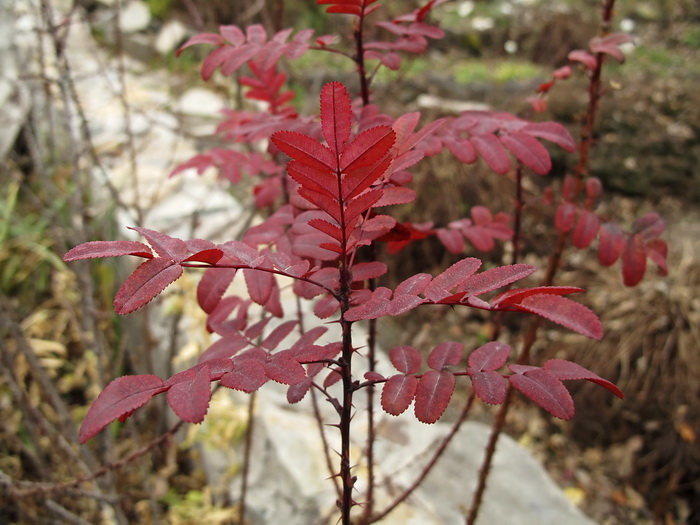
(117,401)
(145,283)
(398,392)
(543,387)
(433,395)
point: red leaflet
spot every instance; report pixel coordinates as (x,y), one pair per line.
(445,354)
(405,359)
(398,392)
(492,151)
(584,57)
(543,387)
(586,229)
(440,286)
(516,295)
(336,111)
(99,249)
(368,148)
(278,334)
(649,225)
(296,393)
(164,245)
(488,386)
(305,150)
(212,286)
(247,375)
(433,395)
(414,285)
(553,132)
(634,260)
(610,244)
(489,357)
(495,278)
(565,216)
(566,370)
(529,151)
(117,401)
(283,368)
(609,45)
(565,312)
(147,281)
(189,396)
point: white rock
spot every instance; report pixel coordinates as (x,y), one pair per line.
(200,102)
(134,16)
(170,36)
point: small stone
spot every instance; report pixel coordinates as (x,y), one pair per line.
(170,36)
(134,16)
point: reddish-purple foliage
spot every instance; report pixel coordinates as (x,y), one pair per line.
(327,184)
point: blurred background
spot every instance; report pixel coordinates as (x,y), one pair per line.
(97,111)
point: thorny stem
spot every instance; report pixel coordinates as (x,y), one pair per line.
(580,173)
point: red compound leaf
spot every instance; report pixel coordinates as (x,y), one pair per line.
(118,400)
